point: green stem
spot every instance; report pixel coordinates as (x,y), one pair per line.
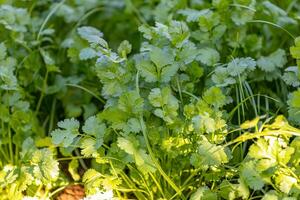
(157,165)
(4,155)
(272,24)
(48,17)
(52,114)
(157,185)
(42,93)
(88,91)
(10,146)
(81,161)
(138,194)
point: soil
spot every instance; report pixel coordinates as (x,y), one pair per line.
(72,192)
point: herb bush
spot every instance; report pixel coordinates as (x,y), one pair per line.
(170,99)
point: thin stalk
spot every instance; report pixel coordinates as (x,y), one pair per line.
(249,98)
(190,94)
(16,153)
(52,115)
(88,91)
(48,17)
(4,155)
(242,6)
(157,185)
(139,195)
(11,153)
(179,90)
(272,24)
(157,165)
(250,93)
(88,14)
(291,5)
(42,92)
(81,161)
(194,173)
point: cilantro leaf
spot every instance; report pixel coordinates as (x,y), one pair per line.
(45,167)
(87,53)
(67,132)
(131,146)
(275,60)
(91,34)
(239,65)
(211,154)
(148,71)
(294,106)
(94,127)
(2,51)
(193,15)
(215,97)
(166,105)
(161,57)
(208,56)
(131,103)
(250,175)
(290,76)
(124,48)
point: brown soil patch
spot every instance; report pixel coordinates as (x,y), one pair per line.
(72,192)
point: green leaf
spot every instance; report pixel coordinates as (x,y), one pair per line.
(193,15)
(93,126)
(222,78)
(211,154)
(115,78)
(208,56)
(294,106)
(92,35)
(48,59)
(179,33)
(285,182)
(124,49)
(208,21)
(204,123)
(2,51)
(8,80)
(142,159)
(131,103)
(240,16)
(87,53)
(129,146)
(214,96)
(271,195)
(93,180)
(250,175)
(275,60)
(165,103)
(168,72)
(72,168)
(45,167)
(188,53)
(204,193)
(67,133)
(148,71)
(88,147)
(161,57)
(295,52)
(290,76)
(239,65)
